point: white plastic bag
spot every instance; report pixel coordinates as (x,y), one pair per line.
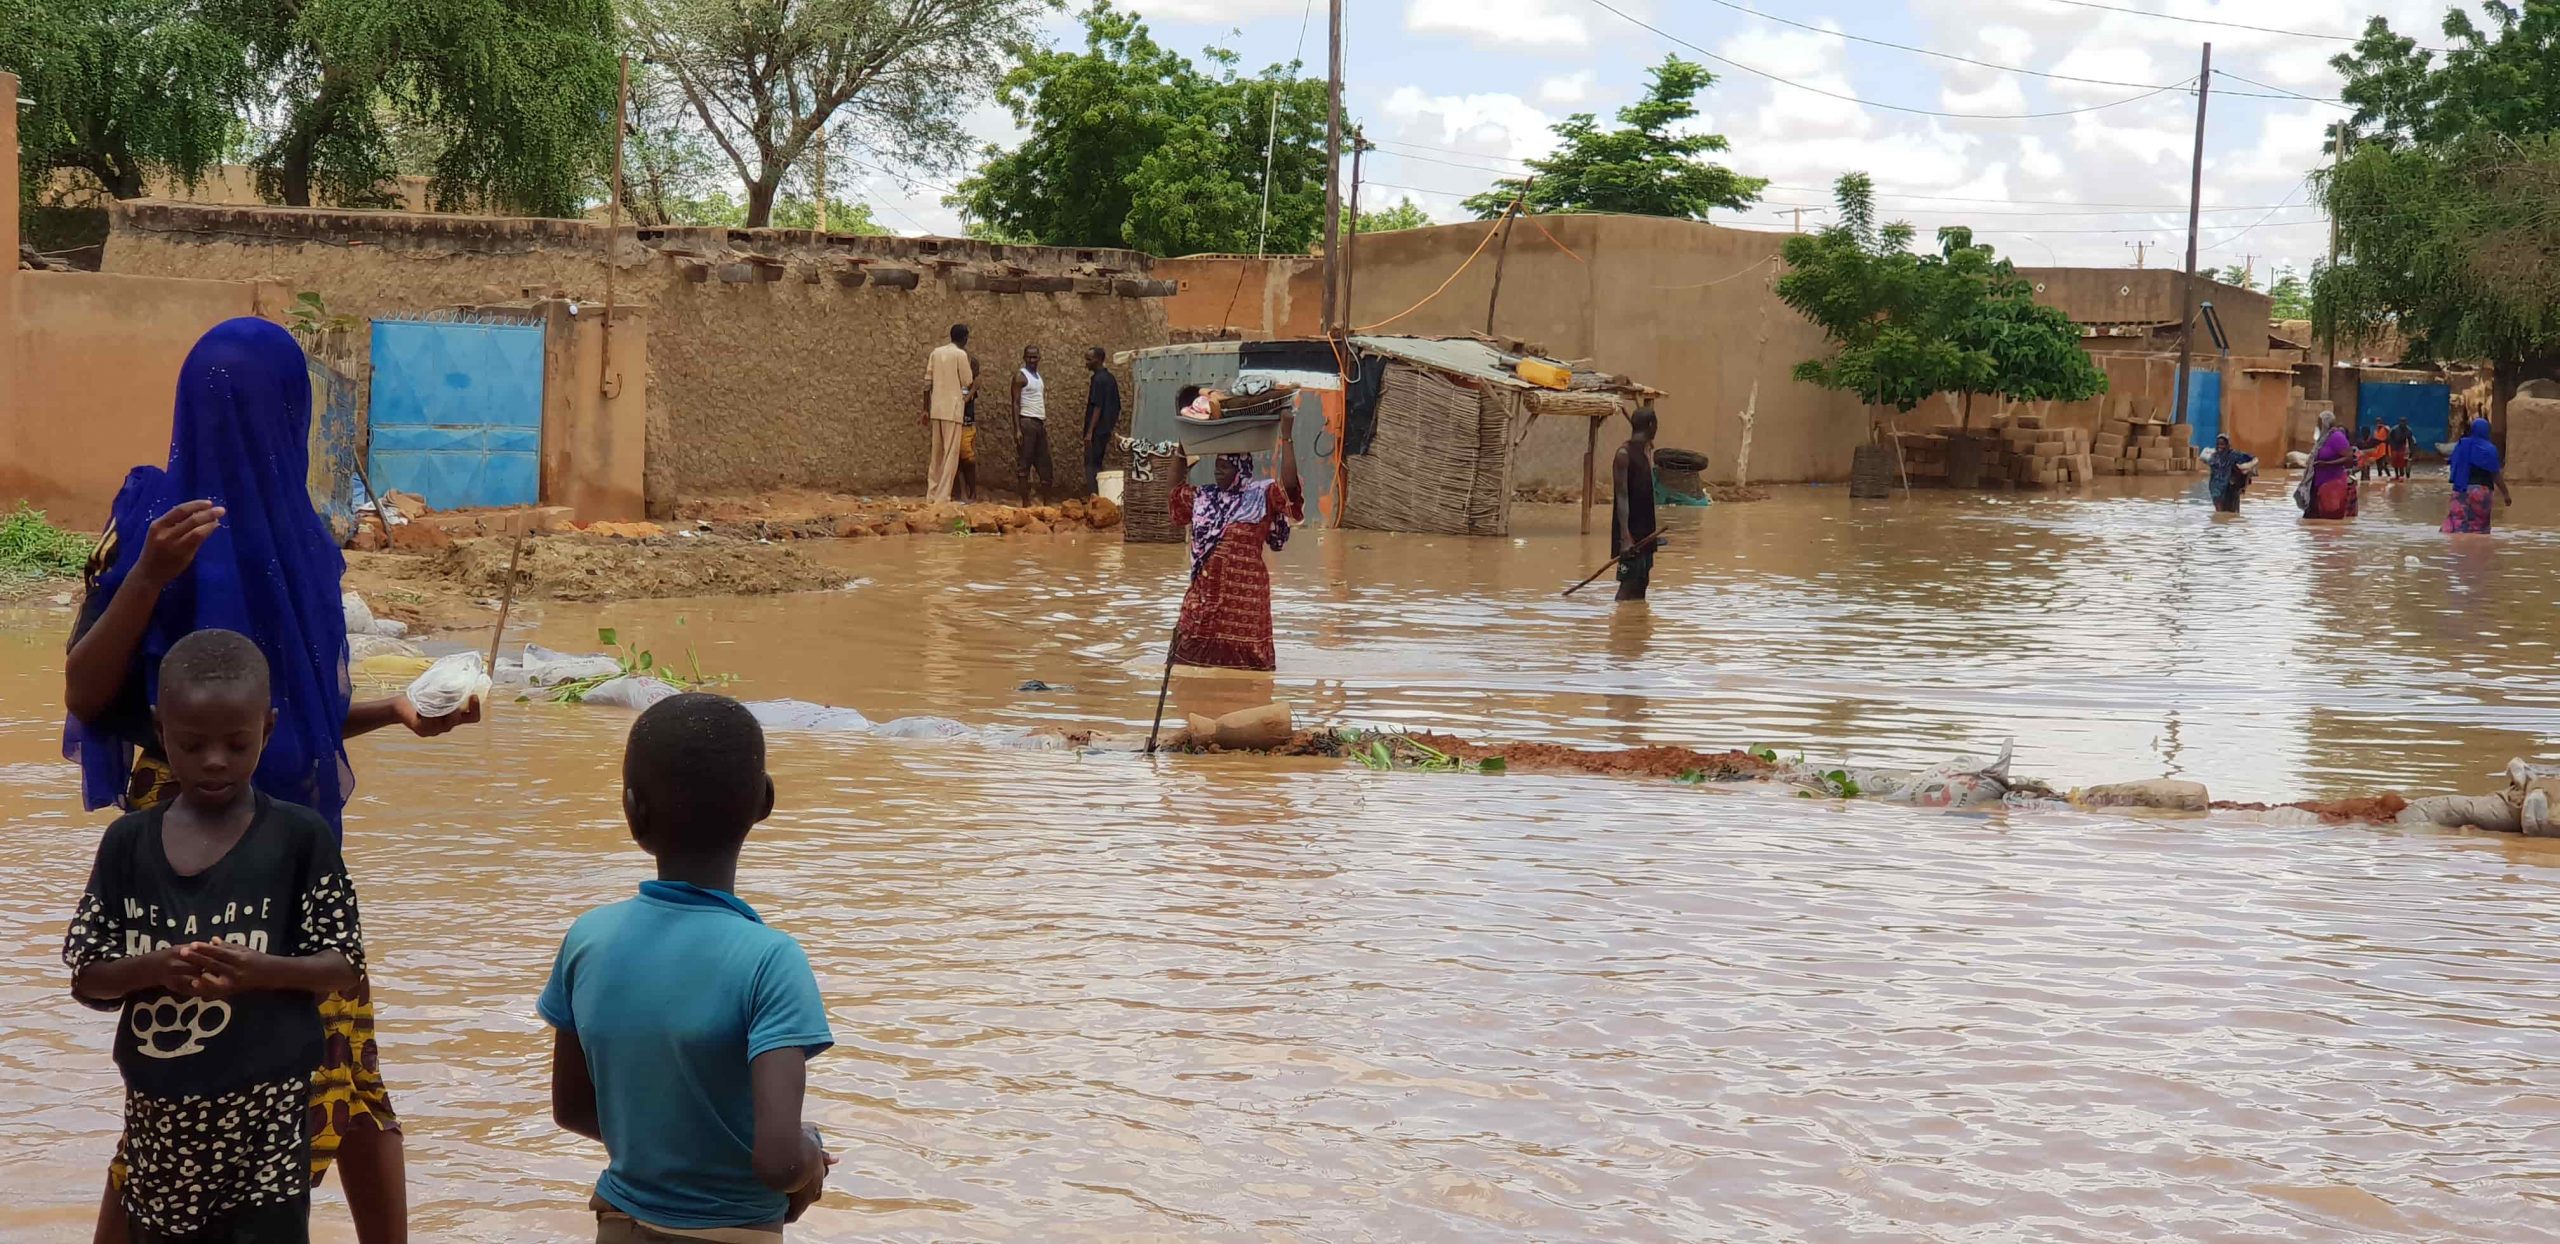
(450,684)
(804,715)
(924,728)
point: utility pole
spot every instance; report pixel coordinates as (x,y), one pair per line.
(2138,248)
(1351,244)
(1799,218)
(605,380)
(1333,172)
(2248,272)
(2329,377)
(822,180)
(2195,211)
(1502,254)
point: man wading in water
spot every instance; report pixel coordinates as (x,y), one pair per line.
(1633,533)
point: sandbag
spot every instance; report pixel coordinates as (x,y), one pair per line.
(450,685)
(542,667)
(2456,811)
(1965,782)
(360,619)
(924,728)
(636,691)
(2167,794)
(804,715)
(362,648)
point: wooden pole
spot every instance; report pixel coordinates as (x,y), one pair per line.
(2329,376)
(1502,255)
(1590,472)
(1333,173)
(612,237)
(822,180)
(2195,209)
(1351,244)
(507,599)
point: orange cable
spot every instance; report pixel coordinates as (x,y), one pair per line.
(1444,285)
(1542,229)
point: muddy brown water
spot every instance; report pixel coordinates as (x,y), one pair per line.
(1232,999)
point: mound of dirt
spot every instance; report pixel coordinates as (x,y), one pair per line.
(1661,762)
(572,569)
(2379,809)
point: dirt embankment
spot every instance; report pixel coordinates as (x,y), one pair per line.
(450,590)
(807,515)
(1649,762)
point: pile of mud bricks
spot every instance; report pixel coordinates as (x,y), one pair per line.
(2143,447)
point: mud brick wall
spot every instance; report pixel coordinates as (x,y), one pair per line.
(776,358)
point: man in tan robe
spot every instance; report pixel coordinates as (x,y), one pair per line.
(947,378)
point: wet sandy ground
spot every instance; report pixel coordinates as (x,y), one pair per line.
(1229,999)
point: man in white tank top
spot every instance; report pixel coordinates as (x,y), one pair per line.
(1031,427)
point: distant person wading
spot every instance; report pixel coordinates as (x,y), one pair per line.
(1226,613)
(2476,470)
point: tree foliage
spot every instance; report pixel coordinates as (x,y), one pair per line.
(511,100)
(2445,232)
(122,90)
(764,79)
(1406,214)
(2290,294)
(1906,326)
(1128,143)
(1641,169)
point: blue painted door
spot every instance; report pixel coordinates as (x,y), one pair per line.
(2204,406)
(457,411)
(2427,407)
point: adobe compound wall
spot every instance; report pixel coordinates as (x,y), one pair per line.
(775,358)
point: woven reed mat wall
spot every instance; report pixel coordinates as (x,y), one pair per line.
(1146,504)
(1423,471)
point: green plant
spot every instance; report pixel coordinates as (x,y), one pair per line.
(1693,777)
(32,548)
(638,662)
(1764,753)
(1388,750)
(310,318)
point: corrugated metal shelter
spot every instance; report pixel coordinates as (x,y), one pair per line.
(1393,433)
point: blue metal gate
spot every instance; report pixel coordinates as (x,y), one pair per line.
(2427,407)
(457,410)
(2204,406)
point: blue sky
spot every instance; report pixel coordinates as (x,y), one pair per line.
(1458,91)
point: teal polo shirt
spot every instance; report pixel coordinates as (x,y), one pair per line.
(671,994)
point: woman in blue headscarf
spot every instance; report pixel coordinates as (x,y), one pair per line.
(2476,469)
(226,537)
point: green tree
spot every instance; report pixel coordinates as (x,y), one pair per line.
(510,102)
(122,90)
(764,78)
(1128,143)
(2445,233)
(1906,327)
(1643,169)
(2290,294)
(2234,275)
(1406,214)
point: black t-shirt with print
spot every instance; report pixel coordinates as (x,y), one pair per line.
(281,889)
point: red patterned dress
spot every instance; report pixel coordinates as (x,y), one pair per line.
(1226,615)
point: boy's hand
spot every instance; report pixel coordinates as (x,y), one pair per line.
(222,969)
(808,1194)
(171,971)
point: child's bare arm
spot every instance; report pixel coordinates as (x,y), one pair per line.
(573,1090)
(111,980)
(226,969)
(787,1159)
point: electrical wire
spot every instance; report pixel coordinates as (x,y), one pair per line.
(1631,19)
(2208,21)
(1921,51)
(2281,92)
(2298,188)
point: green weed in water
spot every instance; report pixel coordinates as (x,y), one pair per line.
(32,548)
(639,662)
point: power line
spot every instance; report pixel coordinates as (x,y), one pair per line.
(2281,92)
(1921,51)
(2208,21)
(1632,20)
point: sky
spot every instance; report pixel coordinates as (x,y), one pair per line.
(1457,92)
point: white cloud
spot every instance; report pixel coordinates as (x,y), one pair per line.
(1567,91)
(1503,126)
(1535,22)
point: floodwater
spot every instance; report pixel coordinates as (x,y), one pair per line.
(1104,997)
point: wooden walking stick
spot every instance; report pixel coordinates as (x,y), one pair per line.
(507,598)
(1640,546)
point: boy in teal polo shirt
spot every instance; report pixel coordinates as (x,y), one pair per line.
(684,1025)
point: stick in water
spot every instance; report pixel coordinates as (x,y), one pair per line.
(506,599)
(1641,545)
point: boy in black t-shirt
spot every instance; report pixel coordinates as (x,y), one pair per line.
(213,923)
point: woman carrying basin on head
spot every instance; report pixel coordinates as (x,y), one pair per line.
(2476,470)
(226,538)
(1226,613)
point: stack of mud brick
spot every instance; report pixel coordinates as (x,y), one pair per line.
(2144,447)
(2041,457)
